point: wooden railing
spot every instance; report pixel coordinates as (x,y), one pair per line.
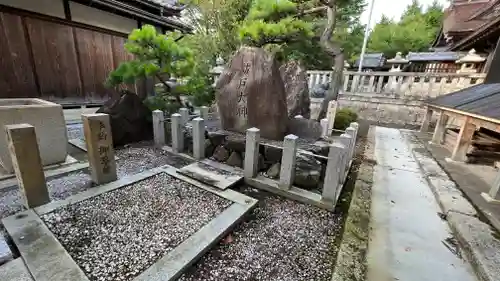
(419,84)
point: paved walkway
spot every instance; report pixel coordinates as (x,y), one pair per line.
(75,115)
(408,239)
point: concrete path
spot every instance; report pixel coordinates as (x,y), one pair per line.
(409,241)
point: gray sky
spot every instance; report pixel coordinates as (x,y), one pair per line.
(391,8)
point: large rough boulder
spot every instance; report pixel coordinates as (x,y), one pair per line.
(250,93)
(130,119)
(296,88)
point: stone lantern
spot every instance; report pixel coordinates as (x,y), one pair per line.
(470,63)
(218,69)
(397,62)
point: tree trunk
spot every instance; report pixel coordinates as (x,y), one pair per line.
(336,52)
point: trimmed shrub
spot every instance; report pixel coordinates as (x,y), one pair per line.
(344,118)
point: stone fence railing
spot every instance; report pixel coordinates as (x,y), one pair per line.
(419,84)
(338,160)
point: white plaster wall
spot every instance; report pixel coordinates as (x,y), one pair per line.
(47,7)
(95,17)
(50,128)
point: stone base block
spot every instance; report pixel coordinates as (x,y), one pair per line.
(50,128)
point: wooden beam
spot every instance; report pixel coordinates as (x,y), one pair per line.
(67,10)
(464,113)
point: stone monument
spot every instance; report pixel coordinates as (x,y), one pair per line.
(297,89)
(250,93)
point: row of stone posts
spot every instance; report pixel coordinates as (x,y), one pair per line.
(178,122)
(339,160)
(28,166)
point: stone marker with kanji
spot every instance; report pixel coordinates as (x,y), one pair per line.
(100,149)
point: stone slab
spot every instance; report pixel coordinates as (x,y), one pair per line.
(171,266)
(294,193)
(210,175)
(229,194)
(49,174)
(5,252)
(45,257)
(15,270)
(69,161)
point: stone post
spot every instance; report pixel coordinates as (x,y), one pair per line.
(493,196)
(440,130)
(198,138)
(100,151)
(427,119)
(184,112)
(324,128)
(333,176)
(330,115)
(352,133)
(251,163)
(204,112)
(27,164)
(177,133)
(287,171)
(345,140)
(159,127)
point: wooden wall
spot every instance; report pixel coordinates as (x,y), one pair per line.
(56,60)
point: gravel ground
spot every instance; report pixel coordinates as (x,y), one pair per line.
(132,160)
(144,156)
(119,234)
(283,240)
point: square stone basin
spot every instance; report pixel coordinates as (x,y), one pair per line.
(50,128)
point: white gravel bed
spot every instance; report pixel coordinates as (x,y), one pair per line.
(119,234)
(283,240)
(133,160)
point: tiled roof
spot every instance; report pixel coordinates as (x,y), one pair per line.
(457,17)
(372,60)
(481,99)
(434,56)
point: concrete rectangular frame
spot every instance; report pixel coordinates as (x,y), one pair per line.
(167,268)
(50,127)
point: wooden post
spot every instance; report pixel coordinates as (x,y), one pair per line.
(27,164)
(464,139)
(440,130)
(287,172)
(100,151)
(159,127)
(251,163)
(427,119)
(198,138)
(493,196)
(332,182)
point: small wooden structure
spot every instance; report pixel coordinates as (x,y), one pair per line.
(473,108)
